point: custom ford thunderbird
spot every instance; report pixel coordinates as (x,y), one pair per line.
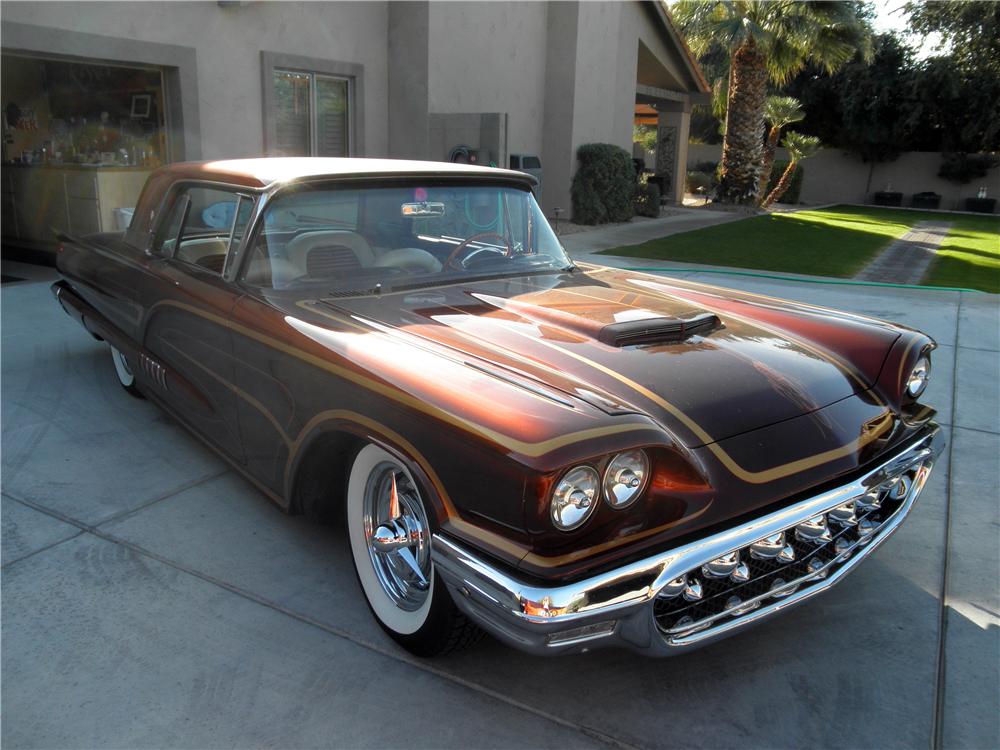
(566,456)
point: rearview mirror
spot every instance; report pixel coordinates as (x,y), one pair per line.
(415,210)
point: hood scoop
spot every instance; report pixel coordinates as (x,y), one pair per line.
(612,322)
(657,330)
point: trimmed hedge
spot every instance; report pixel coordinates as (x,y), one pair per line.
(647,200)
(792,194)
(604,184)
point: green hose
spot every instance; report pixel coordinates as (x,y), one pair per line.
(809,281)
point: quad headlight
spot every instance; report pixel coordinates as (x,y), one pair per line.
(580,490)
(575,497)
(625,478)
(919,376)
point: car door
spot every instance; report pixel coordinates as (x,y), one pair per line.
(188,358)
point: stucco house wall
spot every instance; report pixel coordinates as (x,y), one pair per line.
(228,42)
(558,74)
(490,57)
(593,59)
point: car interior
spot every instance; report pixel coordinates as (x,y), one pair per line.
(356,238)
(353,237)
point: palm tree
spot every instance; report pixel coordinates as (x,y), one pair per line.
(779,111)
(766,40)
(799,147)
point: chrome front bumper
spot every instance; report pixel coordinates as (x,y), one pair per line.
(636,606)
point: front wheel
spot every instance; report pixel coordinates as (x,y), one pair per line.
(124,372)
(390,541)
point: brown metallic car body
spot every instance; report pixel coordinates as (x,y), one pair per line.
(490,389)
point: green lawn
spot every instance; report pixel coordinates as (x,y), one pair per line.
(835,241)
(970,255)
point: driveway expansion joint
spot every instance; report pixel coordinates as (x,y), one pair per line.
(937,726)
(589,732)
(184,487)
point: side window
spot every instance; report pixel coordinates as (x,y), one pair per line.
(515,162)
(170,227)
(532,162)
(199,226)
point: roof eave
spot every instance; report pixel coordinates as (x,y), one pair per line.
(663,13)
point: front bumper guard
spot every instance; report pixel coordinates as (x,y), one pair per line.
(616,608)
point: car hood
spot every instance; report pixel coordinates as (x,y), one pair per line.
(750,361)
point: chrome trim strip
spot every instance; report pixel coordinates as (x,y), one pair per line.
(862,551)
(524,615)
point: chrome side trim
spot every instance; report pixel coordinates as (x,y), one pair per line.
(525,615)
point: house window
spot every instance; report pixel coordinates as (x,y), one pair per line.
(311,114)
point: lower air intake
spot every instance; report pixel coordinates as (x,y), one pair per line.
(779,565)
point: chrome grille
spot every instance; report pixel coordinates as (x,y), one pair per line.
(785,562)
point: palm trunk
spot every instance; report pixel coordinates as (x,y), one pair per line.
(782,186)
(767,164)
(743,144)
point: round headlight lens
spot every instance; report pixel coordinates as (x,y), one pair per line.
(919,376)
(625,478)
(575,497)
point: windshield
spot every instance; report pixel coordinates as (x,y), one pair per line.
(363,239)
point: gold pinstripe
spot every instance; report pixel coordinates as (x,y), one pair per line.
(525,448)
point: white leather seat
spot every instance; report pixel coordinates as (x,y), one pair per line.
(275,273)
(192,251)
(298,249)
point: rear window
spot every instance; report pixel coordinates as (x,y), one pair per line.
(531,162)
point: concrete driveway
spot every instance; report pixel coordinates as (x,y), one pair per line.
(151,598)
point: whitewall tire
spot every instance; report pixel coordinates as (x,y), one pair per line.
(124,372)
(390,536)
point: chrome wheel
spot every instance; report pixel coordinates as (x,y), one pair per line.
(390,538)
(397,536)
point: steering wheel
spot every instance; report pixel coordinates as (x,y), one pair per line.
(458,255)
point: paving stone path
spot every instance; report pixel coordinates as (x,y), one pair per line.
(907,259)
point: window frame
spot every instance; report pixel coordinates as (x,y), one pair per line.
(352,73)
(179,192)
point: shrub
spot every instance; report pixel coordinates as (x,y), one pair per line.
(647,200)
(964,168)
(604,184)
(792,194)
(697,180)
(645,136)
(709,167)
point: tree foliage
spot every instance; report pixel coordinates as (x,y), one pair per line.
(970,28)
(863,106)
(779,111)
(645,136)
(897,103)
(765,41)
(799,147)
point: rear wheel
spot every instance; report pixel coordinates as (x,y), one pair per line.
(390,541)
(124,372)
